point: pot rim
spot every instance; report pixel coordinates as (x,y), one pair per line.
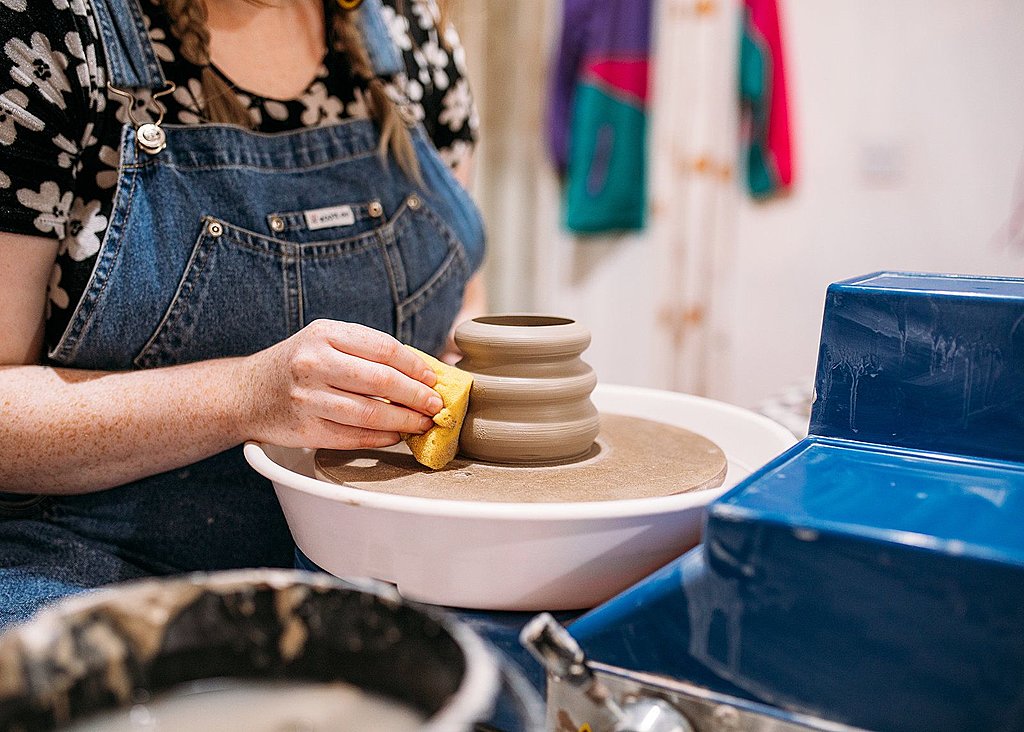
(549,336)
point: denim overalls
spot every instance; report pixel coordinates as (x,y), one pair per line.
(224,243)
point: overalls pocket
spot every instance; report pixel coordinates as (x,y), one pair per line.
(83,320)
(431,273)
(242,291)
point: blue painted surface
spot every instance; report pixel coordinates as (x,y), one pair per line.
(935,363)
(874,573)
(937,501)
(938,284)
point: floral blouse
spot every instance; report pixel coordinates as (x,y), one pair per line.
(60,126)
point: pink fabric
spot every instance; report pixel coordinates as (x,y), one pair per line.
(624,76)
(764,16)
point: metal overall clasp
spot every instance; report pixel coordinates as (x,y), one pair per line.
(149,135)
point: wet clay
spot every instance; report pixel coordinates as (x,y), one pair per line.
(530,402)
(632,458)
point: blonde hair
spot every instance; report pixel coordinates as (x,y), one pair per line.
(220,103)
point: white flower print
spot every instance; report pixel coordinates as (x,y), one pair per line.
(157,36)
(414,90)
(5,180)
(109,160)
(90,76)
(426,13)
(411,99)
(357,107)
(421,64)
(40,66)
(99,77)
(15,5)
(458,105)
(190,98)
(51,204)
(452,41)
(398,27)
(402,98)
(456,152)
(275,110)
(12,110)
(56,295)
(88,138)
(253,109)
(437,60)
(73,41)
(85,224)
(69,152)
(78,7)
(321,108)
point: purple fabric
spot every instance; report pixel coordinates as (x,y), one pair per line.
(592,31)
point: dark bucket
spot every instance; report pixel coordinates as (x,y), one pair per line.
(123,646)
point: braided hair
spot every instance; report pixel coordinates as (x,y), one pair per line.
(189,23)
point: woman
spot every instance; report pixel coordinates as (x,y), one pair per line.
(201,246)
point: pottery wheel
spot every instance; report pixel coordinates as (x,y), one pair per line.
(632,458)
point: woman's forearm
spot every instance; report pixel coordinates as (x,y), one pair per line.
(332,384)
(74,431)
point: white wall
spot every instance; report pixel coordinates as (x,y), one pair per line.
(910,137)
(909,132)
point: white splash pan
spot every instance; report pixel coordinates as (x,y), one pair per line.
(516,556)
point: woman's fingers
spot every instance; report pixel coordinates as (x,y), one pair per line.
(356,410)
(363,385)
(372,345)
(356,375)
(346,437)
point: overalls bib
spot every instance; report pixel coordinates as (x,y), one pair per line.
(222,244)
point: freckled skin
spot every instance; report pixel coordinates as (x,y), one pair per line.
(70,431)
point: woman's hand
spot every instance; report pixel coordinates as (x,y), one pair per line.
(337,385)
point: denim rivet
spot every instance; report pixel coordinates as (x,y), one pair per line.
(276,224)
(375,209)
(413,202)
(214,228)
(151,138)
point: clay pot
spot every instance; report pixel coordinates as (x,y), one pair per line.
(530,402)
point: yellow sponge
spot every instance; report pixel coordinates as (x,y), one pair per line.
(437,446)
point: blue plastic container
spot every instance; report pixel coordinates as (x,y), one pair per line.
(874,573)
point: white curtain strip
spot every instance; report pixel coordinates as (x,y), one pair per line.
(693,155)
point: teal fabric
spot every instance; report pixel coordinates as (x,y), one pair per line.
(762,86)
(754,90)
(607,174)
(761,180)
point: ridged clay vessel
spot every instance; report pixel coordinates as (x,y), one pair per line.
(530,403)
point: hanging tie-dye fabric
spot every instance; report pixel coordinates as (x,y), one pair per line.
(763,95)
(598,113)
